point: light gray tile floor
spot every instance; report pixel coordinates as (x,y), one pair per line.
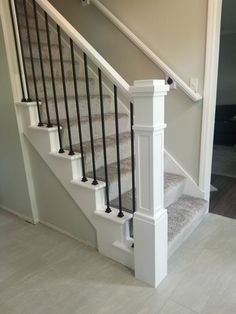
(42,271)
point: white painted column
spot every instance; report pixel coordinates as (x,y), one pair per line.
(150,219)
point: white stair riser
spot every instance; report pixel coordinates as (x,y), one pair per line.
(172,196)
(70,170)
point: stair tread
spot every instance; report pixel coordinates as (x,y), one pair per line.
(42,44)
(182,212)
(81,97)
(98,143)
(30,14)
(57,60)
(125,167)
(58,78)
(85,119)
(170,181)
(41,30)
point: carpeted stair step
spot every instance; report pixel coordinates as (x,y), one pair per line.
(97,129)
(125,150)
(56,67)
(125,166)
(83,105)
(31,19)
(184,215)
(44,50)
(43,35)
(173,189)
(81,86)
(21,10)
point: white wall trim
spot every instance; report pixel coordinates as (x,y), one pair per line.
(68,234)
(16,213)
(45,223)
(209,97)
(147,51)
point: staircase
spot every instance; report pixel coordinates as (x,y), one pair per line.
(185,212)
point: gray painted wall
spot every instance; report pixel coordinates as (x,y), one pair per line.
(55,206)
(13,185)
(176,31)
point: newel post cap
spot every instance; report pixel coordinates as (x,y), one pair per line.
(149,87)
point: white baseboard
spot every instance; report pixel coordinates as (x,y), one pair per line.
(14,212)
(191,188)
(47,224)
(53,227)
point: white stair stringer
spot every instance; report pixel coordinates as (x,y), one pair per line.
(112,232)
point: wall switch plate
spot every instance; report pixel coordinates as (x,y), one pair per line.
(172,85)
(194,84)
(85,2)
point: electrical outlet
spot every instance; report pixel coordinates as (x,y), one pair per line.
(85,2)
(194,84)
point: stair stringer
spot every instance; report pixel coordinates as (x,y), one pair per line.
(112,232)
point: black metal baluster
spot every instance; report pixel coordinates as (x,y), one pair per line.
(49,124)
(32,63)
(71,152)
(120,214)
(84,179)
(132,154)
(90,119)
(22,53)
(61,150)
(17,53)
(108,209)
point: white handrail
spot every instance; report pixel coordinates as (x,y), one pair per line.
(84,45)
(148,52)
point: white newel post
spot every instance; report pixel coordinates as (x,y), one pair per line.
(150,218)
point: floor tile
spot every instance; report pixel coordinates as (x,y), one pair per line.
(42,271)
(174,308)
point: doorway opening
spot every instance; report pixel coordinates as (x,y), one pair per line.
(223,177)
